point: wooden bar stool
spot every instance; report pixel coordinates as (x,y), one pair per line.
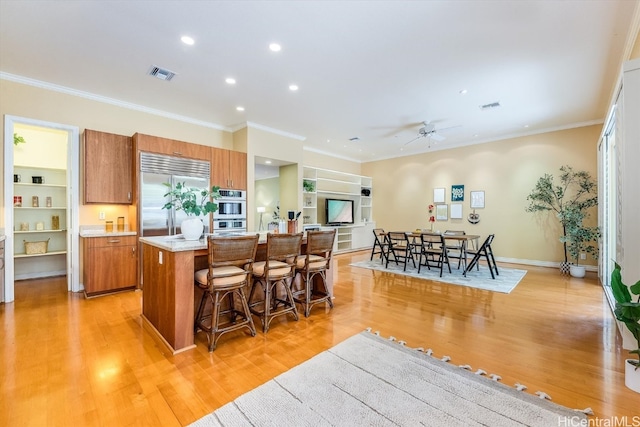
(278,269)
(230,265)
(315,263)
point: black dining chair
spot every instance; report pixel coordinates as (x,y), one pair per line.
(434,252)
(379,244)
(484,251)
(399,247)
(455,248)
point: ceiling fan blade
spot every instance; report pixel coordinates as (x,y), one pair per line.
(437,137)
(407,143)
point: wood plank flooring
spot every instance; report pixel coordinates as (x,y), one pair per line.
(66,360)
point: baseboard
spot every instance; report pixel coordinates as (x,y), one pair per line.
(40,275)
(538,263)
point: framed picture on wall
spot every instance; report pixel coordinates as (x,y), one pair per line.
(457,193)
(438,195)
(456,210)
(477,199)
(442,212)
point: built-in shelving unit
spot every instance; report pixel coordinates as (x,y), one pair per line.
(333,184)
(35,207)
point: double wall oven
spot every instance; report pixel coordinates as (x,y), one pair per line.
(231,215)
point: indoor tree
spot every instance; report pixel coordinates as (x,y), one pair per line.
(575,191)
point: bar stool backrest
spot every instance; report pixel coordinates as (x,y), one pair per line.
(238,251)
(320,243)
(283,247)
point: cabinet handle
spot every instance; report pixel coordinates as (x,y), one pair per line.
(133,250)
(129,195)
(177,153)
(114,241)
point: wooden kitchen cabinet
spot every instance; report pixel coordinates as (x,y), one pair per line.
(109,264)
(107,168)
(228,169)
(171,147)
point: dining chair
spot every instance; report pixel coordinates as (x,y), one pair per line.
(312,268)
(434,251)
(274,277)
(379,245)
(455,248)
(486,251)
(230,262)
(399,247)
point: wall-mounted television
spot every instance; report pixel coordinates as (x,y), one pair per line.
(339,212)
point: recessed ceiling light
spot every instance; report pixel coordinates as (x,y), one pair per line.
(240,108)
(463,92)
(230,80)
(268,162)
(187,40)
(293,88)
(526,126)
(275,47)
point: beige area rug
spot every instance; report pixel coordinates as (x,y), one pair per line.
(370,381)
(504,282)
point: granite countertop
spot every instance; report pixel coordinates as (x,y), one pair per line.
(99,231)
(177,243)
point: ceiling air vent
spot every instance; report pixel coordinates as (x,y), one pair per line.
(161,73)
(490,106)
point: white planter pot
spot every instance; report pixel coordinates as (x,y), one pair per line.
(577,270)
(192,228)
(631,376)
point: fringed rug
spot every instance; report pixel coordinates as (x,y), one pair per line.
(505,282)
(367,380)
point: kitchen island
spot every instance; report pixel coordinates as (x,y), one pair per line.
(168,298)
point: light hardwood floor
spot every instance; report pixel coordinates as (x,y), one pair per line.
(69,361)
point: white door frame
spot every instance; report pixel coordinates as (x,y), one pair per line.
(73,193)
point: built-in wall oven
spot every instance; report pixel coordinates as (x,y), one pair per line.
(232,211)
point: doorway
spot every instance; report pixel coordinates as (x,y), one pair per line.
(41,215)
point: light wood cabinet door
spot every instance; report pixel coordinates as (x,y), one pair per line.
(228,169)
(109,264)
(107,168)
(171,147)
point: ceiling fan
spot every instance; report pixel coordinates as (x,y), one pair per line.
(428,130)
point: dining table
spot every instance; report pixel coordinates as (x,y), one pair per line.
(463,239)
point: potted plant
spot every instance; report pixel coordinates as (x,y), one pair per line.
(628,312)
(17,139)
(579,239)
(308,186)
(194,202)
(576,189)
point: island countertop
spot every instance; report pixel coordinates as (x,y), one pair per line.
(177,243)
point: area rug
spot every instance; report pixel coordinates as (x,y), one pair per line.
(367,380)
(505,282)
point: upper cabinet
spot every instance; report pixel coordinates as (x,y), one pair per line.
(228,169)
(171,147)
(107,168)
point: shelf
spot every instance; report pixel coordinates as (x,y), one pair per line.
(340,193)
(309,207)
(40,168)
(38,231)
(28,184)
(38,255)
(53,208)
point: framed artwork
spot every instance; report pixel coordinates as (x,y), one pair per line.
(441,212)
(456,210)
(457,193)
(438,195)
(477,199)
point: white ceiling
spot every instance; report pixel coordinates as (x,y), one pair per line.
(367,69)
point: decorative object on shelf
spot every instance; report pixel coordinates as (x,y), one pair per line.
(442,212)
(432,218)
(438,195)
(120,224)
(55,222)
(17,201)
(457,193)
(570,199)
(261,211)
(308,201)
(477,199)
(37,180)
(194,202)
(292,226)
(34,248)
(24,226)
(35,202)
(48,201)
(366,192)
(308,186)
(40,226)
(17,139)
(17,177)
(108,226)
(628,312)
(473,217)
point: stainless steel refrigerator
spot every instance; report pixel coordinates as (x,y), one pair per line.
(155,171)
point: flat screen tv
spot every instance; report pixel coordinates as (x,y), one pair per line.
(339,212)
